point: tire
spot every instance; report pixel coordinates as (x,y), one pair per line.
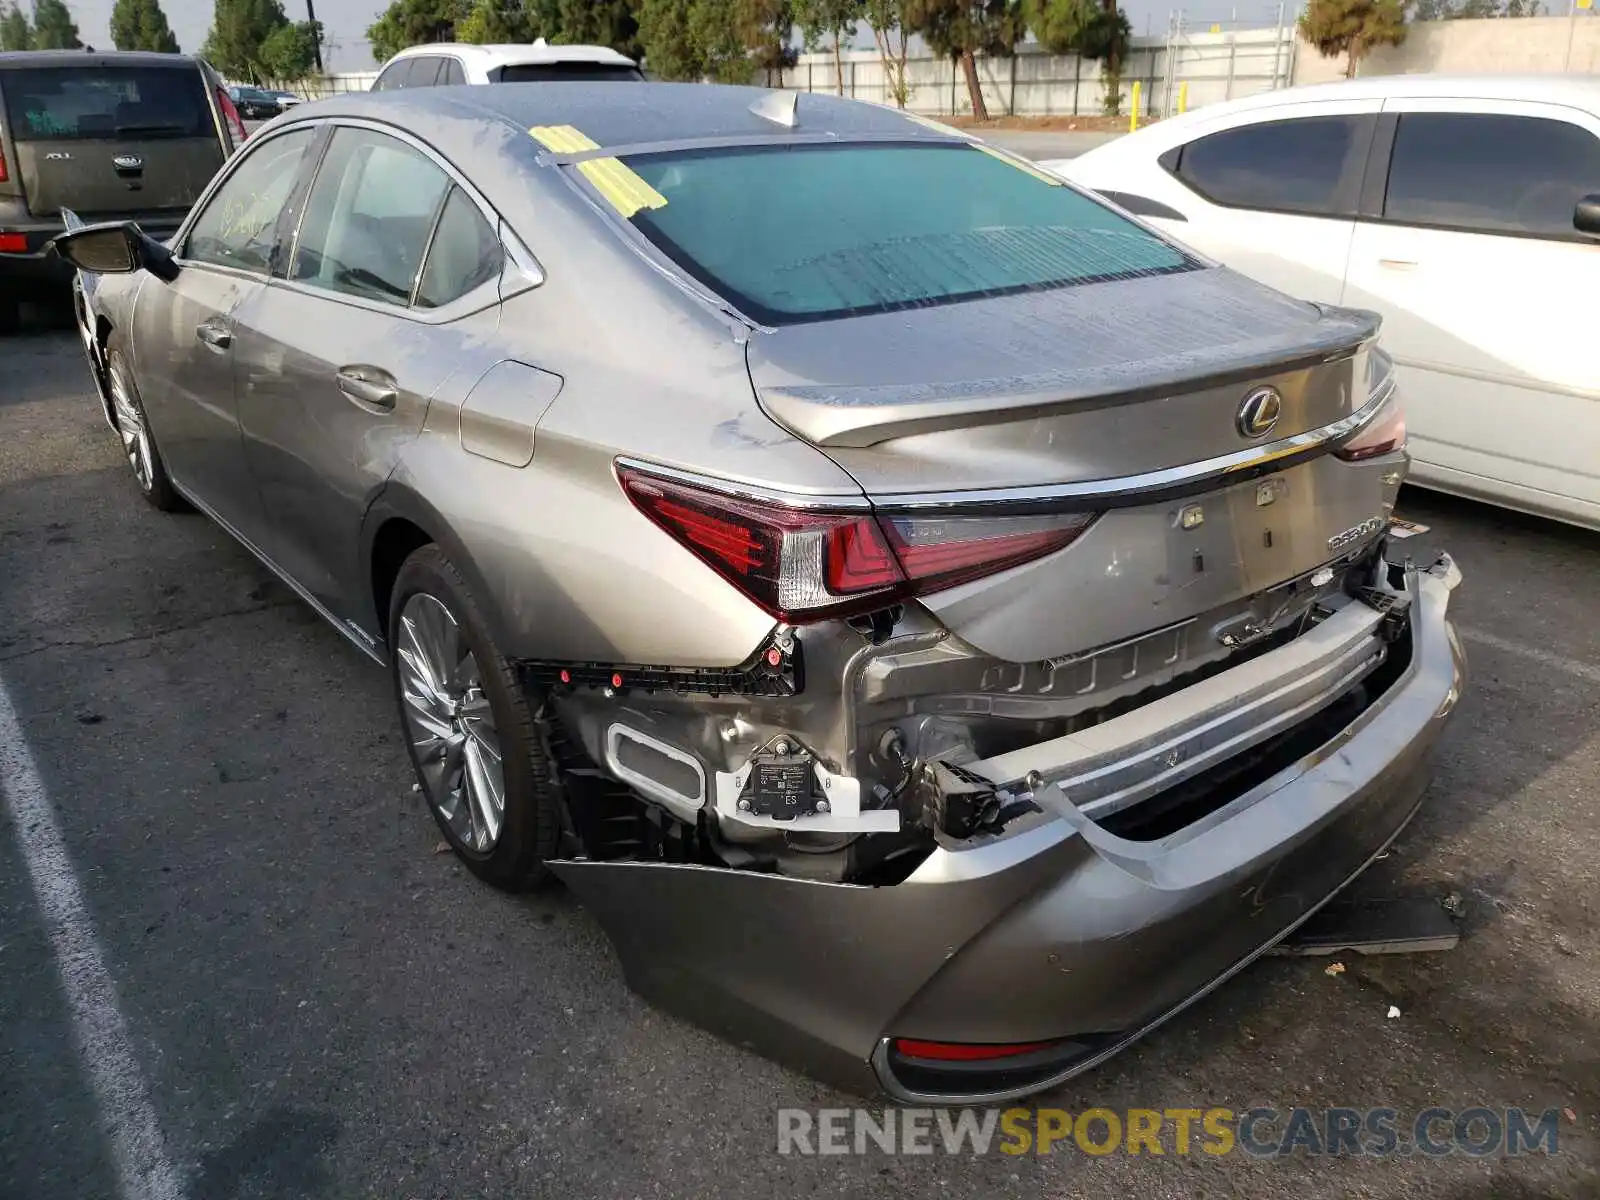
(448,676)
(138,442)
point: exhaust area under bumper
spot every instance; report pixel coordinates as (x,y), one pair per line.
(1062,934)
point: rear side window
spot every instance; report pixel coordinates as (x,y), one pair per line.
(572,72)
(63,104)
(238,226)
(368,217)
(1304,165)
(424,71)
(452,73)
(1489,173)
(465,254)
(807,232)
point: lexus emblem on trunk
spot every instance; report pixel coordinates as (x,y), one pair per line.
(127,162)
(1259,412)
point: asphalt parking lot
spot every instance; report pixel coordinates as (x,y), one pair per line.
(319,1004)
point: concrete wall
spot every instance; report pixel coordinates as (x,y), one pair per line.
(1217,66)
(1528,45)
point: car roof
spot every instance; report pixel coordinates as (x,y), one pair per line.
(520,54)
(617,114)
(1577,91)
(97,58)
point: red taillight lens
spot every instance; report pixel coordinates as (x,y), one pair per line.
(13,243)
(1384,433)
(804,565)
(230,114)
(4,177)
(966,1051)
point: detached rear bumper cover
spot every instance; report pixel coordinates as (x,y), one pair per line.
(1062,932)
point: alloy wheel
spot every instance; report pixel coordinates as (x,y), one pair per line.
(450,723)
(134,432)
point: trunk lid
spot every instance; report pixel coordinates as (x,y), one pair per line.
(106,140)
(1062,398)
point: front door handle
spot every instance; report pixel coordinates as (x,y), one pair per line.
(215,336)
(375,393)
(1398,264)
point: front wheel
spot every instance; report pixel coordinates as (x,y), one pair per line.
(470,731)
(138,444)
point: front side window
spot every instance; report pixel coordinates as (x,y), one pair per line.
(424,71)
(570,72)
(238,227)
(1490,173)
(1293,166)
(70,103)
(368,217)
(453,73)
(804,233)
(465,254)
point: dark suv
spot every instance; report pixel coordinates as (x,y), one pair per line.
(111,136)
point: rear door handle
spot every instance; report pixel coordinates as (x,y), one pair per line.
(215,336)
(374,393)
(1398,264)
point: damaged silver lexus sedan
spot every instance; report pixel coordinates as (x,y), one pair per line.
(938,626)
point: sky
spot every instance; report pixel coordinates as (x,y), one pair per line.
(346,21)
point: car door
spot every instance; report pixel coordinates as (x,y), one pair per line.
(1488,296)
(183,343)
(1271,193)
(391,287)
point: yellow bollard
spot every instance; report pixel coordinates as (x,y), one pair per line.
(1183,97)
(1133,121)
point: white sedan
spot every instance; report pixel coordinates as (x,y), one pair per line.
(1466,211)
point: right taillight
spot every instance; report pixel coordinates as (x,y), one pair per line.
(4,177)
(1386,432)
(230,114)
(804,564)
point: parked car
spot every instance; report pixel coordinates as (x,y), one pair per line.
(112,136)
(939,626)
(441,65)
(253,103)
(285,100)
(1465,211)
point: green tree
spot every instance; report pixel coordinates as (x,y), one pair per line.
(698,39)
(413,22)
(53,28)
(15,31)
(239,32)
(613,23)
(1453,10)
(492,21)
(830,21)
(887,19)
(141,25)
(1352,28)
(770,35)
(962,29)
(290,52)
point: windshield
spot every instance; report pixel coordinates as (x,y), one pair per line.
(802,233)
(567,72)
(63,103)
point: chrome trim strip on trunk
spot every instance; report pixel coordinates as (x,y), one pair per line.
(1150,486)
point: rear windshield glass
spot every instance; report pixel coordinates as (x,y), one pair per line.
(54,103)
(804,233)
(566,72)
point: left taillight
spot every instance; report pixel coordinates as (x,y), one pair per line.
(804,564)
(230,114)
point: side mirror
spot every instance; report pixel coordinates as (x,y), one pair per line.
(1586,218)
(115,248)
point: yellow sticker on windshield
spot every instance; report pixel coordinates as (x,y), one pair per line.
(1021,165)
(621,186)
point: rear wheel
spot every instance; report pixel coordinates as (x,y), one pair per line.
(138,444)
(470,730)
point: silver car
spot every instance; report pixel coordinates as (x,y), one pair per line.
(937,625)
